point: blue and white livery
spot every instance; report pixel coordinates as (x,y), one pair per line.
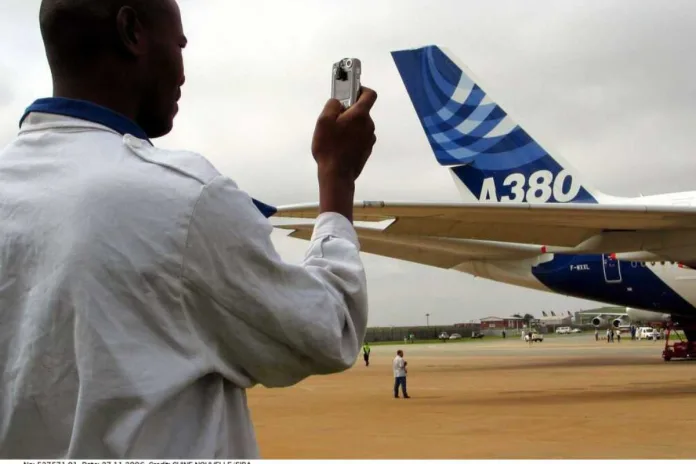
(489,154)
(527,219)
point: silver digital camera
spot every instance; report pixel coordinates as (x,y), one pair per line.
(345,82)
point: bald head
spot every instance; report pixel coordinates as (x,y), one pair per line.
(123,54)
(78,32)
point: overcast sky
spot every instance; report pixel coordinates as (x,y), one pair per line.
(610,85)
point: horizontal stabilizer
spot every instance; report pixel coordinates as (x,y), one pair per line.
(562,225)
(437,252)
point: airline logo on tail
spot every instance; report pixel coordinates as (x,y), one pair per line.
(488,153)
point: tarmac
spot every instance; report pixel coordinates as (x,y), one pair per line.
(566,397)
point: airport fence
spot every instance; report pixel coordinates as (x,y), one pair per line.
(401,334)
(397,334)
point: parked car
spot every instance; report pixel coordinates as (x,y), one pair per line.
(476,335)
(536,337)
(455,336)
(648,333)
(576,331)
(563,330)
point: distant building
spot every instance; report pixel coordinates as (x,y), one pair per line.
(555,320)
(473,326)
(499,323)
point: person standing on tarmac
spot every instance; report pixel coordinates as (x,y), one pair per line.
(366,353)
(399,366)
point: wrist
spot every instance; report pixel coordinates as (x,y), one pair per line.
(336,194)
(331,173)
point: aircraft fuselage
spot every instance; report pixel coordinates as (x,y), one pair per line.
(654,286)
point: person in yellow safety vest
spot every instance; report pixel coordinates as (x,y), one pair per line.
(366,353)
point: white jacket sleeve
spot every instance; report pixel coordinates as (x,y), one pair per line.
(263,320)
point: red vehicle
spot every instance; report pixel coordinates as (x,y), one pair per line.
(681,349)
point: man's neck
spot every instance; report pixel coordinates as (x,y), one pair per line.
(88,91)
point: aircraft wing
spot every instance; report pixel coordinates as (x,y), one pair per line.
(562,225)
(431,251)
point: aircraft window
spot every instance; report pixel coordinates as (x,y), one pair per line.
(634,264)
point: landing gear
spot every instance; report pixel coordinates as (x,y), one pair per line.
(685,347)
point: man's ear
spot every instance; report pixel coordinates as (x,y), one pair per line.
(130,29)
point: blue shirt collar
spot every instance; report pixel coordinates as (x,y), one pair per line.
(87,111)
(92,112)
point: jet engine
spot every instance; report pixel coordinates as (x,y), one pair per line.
(599,322)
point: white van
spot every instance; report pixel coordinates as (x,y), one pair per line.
(563,330)
(648,333)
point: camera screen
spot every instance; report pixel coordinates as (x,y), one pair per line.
(342,89)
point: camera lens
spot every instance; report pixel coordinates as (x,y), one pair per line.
(349,63)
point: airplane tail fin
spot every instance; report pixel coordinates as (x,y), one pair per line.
(544,313)
(491,158)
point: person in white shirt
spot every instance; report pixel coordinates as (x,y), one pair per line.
(140,292)
(399,366)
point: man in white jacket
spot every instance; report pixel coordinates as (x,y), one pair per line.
(140,292)
(400,371)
